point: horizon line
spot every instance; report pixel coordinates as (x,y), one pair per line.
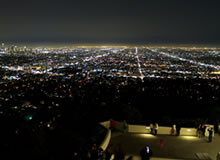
(69,44)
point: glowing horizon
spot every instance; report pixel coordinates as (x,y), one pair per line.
(113,45)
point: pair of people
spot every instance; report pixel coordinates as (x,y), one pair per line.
(154,128)
(176,130)
(201,130)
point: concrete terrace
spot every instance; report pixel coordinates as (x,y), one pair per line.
(175,147)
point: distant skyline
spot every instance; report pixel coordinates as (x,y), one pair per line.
(141,22)
(106,45)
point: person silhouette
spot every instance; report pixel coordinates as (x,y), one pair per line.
(210,134)
(146,153)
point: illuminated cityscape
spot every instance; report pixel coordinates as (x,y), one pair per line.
(28,74)
(143,62)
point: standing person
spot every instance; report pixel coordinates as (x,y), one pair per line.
(146,153)
(94,152)
(156,126)
(173,132)
(151,128)
(108,154)
(112,124)
(216,126)
(199,131)
(210,134)
(119,153)
(125,126)
(178,128)
(161,143)
(203,127)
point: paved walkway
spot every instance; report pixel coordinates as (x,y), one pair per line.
(175,147)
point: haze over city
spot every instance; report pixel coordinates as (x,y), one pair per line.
(111,22)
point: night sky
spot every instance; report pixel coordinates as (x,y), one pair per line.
(110,21)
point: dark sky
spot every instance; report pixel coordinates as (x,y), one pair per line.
(110,21)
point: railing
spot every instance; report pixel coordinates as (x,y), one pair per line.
(162,130)
(107,139)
